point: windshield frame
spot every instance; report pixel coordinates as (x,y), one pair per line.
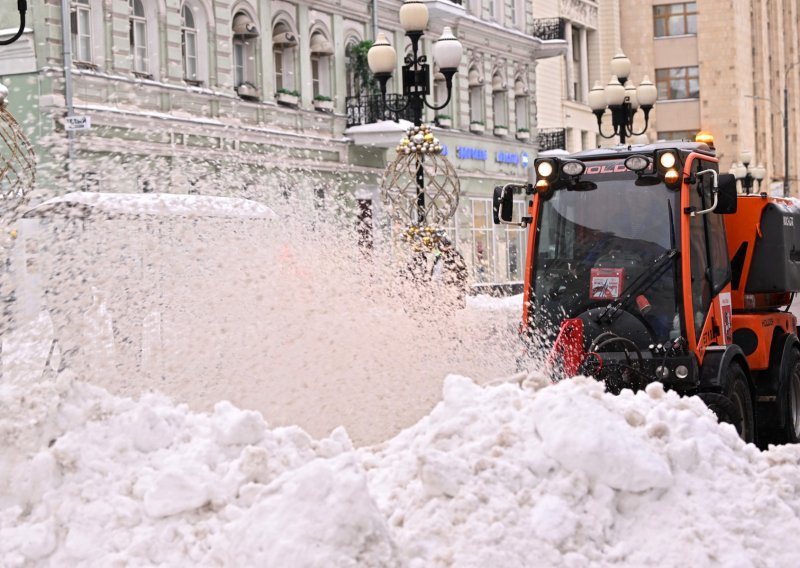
(604,173)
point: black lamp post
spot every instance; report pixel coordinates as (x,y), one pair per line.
(382,58)
(623,99)
(22,7)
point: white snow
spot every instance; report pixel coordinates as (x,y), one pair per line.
(506,475)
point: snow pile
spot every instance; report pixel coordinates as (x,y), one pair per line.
(494,476)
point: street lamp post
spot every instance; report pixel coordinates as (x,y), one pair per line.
(747,174)
(623,99)
(786,128)
(382,57)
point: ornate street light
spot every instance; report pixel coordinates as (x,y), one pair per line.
(747,174)
(419,154)
(623,99)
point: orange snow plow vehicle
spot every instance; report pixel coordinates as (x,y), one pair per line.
(644,264)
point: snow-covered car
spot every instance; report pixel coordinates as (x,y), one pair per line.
(86,274)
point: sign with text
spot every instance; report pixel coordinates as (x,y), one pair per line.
(77,123)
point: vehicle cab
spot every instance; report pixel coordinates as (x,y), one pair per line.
(628,275)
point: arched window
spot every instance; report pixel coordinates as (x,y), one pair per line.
(499,101)
(284,45)
(189,44)
(244,56)
(81,23)
(521,106)
(138,37)
(475,97)
(321,52)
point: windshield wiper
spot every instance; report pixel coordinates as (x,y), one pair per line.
(640,284)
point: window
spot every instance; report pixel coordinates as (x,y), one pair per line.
(475,96)
(138,37)
(284,45)
(499,101)
(353,82)
(678,83)
(521,106)
(81,31)
(244,56)
(321,52)
(675,19)
(189,44)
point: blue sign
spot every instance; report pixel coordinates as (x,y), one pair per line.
(467,153)
(444,149)
(507,158)
(525,159)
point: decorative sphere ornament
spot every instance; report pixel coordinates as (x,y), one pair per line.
(17,159)
(440,189)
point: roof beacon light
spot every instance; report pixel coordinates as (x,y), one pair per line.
(667,160)
(705,138)
(637,163)
(573,168)
(545,169)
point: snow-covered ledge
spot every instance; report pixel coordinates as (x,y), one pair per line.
(383,134)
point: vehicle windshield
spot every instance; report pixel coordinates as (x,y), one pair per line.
(595,245)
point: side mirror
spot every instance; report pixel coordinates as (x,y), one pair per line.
(503,205)
(727,198)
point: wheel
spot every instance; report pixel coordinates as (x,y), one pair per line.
(735,404)
(789,394)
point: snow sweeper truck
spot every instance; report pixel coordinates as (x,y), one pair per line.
(645,264)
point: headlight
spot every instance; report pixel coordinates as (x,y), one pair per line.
(667,160)
(573,168)
(637,163)
(671,176)
(545,169)
(681,371)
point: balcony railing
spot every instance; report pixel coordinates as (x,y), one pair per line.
(549,28)
(552,139)
(370,109)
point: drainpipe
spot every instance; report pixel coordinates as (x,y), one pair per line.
(374,19)
(67,48)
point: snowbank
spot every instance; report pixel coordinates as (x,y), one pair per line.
(494,476)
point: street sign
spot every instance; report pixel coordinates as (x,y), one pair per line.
(77,123)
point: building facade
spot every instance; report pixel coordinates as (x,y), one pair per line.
(269,99)
(722,66)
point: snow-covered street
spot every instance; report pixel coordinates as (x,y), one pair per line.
(502,475)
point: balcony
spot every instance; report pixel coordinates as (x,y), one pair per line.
(551,139)
(369,109)
(549,28)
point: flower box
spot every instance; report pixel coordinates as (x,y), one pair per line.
(324,106)
(444,122)
(500,131)
(287,99)
(523,135)
(476,127)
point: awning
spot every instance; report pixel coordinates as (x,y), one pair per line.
(320,45)
(475,79)
(243,26)
(284,39)
(498,84)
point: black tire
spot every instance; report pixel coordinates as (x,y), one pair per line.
(735,404)
(789,395)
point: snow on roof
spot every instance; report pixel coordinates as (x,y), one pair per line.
(154,204)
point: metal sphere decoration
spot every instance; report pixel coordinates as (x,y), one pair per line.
(419,155)
(17,159)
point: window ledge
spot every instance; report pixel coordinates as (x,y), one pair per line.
(85,65)
(678,36)
(667,101)
(141,75)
